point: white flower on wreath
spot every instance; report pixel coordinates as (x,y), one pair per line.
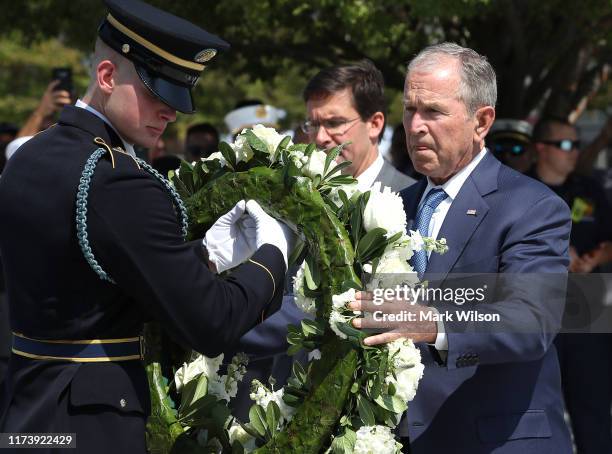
(314,355)
(262,396)
(225,387)
(242,149)
(298,158)
(215,156)
(385,209)
(270,137)
(306,304)
(407,366)
(393,269)
(349,190)
(315,165)
(336,315)
(200,365)
(376,440)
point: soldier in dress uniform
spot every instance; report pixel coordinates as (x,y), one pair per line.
(92,244)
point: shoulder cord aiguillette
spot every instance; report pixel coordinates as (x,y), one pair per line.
(81,206)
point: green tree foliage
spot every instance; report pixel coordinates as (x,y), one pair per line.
(550,55)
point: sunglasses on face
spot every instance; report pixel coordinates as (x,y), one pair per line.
(515,149)
(564,144)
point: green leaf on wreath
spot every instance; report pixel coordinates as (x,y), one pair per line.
(281,146)
(344,444)
(179,185)
(331,155)
(391,403)
(366,412)
(337,169)
(228,153)
(351,332)
(372,245)
(311,273)
(257,420)
(309,149)
(255,142)
(272,417)
(311,327)
(297,251)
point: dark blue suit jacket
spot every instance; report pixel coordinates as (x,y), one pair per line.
(498,390)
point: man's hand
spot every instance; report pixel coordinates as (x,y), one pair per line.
(230,241)
(380,316)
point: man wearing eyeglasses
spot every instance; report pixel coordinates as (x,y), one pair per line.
(585,358)
(346,104)
(343,104)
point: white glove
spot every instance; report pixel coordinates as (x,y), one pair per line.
(230,241)
(271,231)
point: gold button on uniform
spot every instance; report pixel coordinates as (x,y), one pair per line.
(123,403)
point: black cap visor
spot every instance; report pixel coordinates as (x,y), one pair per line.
(174,95)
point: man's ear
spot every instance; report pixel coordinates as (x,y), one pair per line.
(106,73)
(377,122)
(485,116)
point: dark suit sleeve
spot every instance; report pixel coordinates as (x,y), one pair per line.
(269,338)
(136,237)
(533,260)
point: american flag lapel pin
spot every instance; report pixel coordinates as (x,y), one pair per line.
(471,212)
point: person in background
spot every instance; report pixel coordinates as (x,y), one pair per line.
(43,117)
(251,112)
(201,140)
(588,155)
(346,104)
(585,358)
(510,142)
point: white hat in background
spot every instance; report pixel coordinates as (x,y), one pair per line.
(247,116)
(14,145)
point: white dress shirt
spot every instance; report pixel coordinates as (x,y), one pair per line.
(129,148)
(452,188)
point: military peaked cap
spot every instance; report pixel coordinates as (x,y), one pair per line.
(168,52)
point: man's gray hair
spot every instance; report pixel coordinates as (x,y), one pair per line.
(478,85)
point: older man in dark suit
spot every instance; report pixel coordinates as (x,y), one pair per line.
(485,388)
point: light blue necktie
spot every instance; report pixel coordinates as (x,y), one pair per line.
(421,223)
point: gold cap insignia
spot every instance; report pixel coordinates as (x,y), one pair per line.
(205,55)
(125,48)
(261,111)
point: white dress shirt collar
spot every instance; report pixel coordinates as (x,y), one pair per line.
(454,184)
(129,148)
(368,177)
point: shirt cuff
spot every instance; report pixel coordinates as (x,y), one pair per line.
(441,343)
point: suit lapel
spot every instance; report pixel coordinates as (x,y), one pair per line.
(466,213)
(382,175)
